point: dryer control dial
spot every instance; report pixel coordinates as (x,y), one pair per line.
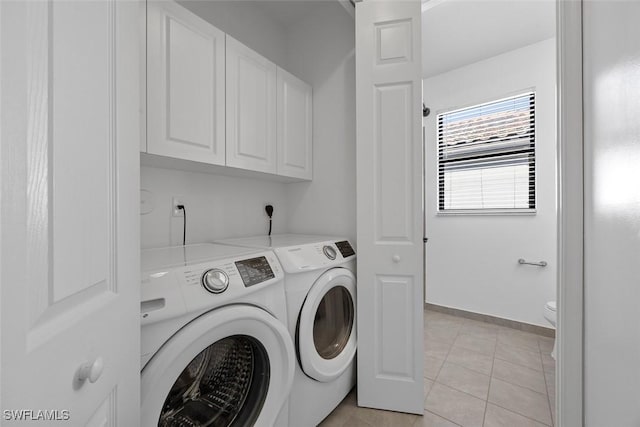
(215,280)
(329,252)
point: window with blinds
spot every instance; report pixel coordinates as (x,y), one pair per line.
(486,157)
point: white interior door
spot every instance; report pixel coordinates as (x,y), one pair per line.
(389,203)
(69,254)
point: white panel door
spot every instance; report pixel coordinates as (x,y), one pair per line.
(251,109)
(611,227)
(185,85)
(389,203)
(69,254)
(295,126)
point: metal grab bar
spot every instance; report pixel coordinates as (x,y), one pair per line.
(539,264)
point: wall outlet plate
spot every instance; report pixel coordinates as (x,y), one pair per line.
(175,201)
(147,202)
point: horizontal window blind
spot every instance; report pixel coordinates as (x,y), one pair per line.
(486,156)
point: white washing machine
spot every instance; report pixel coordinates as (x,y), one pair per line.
(320,287)
(215,348)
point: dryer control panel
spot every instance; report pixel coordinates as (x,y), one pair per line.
(345,248)
(322,255)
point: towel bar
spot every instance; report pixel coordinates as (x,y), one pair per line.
(539,264)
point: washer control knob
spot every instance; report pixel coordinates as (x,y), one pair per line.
(215,281)
(329,252)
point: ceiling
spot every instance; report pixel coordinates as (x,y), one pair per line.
(455,33)
(460,32)
(288,12)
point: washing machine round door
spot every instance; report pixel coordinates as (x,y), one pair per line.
(326,334)
(232,366)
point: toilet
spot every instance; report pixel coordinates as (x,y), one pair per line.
(551,315)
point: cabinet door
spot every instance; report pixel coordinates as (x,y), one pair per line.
(186,90)
(251,109)
(295,149)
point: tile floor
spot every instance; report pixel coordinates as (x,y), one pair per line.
(476,374)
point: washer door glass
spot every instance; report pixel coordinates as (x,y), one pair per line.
(333,322)
(224,385)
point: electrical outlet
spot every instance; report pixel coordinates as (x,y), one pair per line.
(147,202)
(175,201)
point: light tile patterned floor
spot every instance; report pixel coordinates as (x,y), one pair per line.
(476,374)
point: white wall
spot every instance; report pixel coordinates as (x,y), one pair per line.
(612,213)
(217,206)
(245,22)
(472,260)
(482,29)
(321,51)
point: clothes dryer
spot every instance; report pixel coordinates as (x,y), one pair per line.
(320,286)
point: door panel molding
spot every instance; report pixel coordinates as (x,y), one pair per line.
(50,219)
(393,295)
(393,143)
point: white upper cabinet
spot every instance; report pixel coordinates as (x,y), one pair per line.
(186,85)
(212,100)
(251,109)
(295,148)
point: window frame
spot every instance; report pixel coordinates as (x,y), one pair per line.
(531,211)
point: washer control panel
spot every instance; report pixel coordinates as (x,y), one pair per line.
(171,292)
(211,277)
(254,270)
(215,280)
